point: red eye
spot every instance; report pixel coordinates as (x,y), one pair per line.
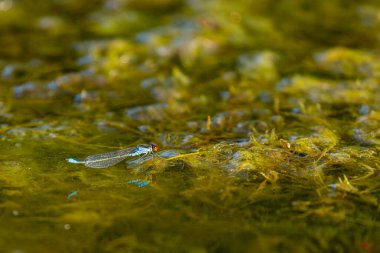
(154,147)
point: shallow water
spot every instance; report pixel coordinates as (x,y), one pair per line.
(266,114)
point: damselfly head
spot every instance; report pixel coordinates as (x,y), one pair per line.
(154,147)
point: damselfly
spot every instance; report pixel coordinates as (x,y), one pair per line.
(111,158)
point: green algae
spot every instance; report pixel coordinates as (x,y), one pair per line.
(266,114)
